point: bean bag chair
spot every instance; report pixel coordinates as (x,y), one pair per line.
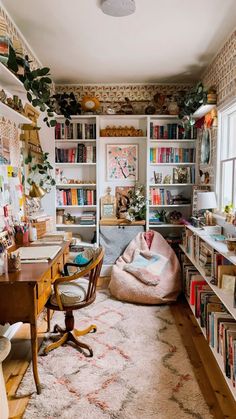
(148,272)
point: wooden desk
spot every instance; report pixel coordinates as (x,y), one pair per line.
(24,294)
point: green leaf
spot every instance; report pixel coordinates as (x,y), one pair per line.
(29,97)
(53,123)
(43,71)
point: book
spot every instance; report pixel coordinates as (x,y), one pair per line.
(228,282)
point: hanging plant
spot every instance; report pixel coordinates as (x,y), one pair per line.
(191,101)
(66,104)
(40,172)
(38,85)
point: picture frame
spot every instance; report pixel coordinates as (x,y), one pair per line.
(122,162)
(205,147)
(108,211)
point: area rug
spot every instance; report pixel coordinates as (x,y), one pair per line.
(140,369)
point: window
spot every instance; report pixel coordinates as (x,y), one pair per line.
(226,170)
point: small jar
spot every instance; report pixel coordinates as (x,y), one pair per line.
(32,233)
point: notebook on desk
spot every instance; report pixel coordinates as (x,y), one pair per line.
(40,252)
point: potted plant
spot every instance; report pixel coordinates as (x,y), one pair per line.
(190,102)
(137,203)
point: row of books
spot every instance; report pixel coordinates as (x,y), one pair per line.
(75,130)
(172,131)
(81,154)
(219,269)
(161,196)
(219,325)
(76,197)
(172,155)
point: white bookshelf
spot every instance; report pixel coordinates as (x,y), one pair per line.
(97,171)
(227,298)
(84,175)
(174,142)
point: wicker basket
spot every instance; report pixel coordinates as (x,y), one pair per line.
(40,227)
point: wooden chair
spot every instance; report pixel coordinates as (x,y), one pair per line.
(73,293)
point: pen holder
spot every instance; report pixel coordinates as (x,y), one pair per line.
(14,263)
(22,237)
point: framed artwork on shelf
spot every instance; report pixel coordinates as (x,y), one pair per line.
(122,162)
(122,201)
(108,206)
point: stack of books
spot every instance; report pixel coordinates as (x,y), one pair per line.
(82,154)
(75,131)
(172,155)
(80,196)
(88,218)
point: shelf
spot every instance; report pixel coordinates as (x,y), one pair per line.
(75,206)
(121,222)
(168,206)
(74,185)
(225,297)
(152,185)
(76,116)
(217,356)
(10,82)
(13,115)
(74,164)
(218,246)
(166,225)
(163,117)
(203,110)
(156,140)
(123,138)
(75,225)
(172,164)
(72,141)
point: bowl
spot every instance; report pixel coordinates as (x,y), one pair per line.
(231,244)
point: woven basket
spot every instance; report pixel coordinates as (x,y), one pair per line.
(40,227)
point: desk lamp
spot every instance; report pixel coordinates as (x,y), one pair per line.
(206,201)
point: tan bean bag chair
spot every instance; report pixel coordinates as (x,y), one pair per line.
(147,275)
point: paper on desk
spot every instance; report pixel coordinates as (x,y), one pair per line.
(38,252)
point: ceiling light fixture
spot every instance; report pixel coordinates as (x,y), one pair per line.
(118,8)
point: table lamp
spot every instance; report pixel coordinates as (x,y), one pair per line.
(206,201)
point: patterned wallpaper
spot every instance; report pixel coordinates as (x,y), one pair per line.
(221,73)
(114,94)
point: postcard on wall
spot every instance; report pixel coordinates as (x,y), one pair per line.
(122,162)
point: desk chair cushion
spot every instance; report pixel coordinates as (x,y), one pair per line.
(71,292)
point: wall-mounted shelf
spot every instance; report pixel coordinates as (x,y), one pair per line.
(75,225)
(74,164)
(74,185)
(14,116)
(168,206)
(10,82)
(169,185)
(203,110)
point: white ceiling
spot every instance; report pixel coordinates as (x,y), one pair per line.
(164,41)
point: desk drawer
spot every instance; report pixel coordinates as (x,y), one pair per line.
(41,301)
(43,284)
(57,267)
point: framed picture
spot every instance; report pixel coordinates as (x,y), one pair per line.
(122,162)
(108,211)
(205,147)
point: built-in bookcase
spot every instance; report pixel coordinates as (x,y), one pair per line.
(76,176)
(166,166)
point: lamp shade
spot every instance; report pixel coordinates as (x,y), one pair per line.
(206,200)
(36,191)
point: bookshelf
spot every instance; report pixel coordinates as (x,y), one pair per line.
(191,248)
(167,139)
(169,154)
(76,208)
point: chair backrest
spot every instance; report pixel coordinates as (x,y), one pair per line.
(94,271)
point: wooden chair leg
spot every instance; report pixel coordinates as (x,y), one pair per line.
(48,320)
(73,339)
(56,344)
(90,329)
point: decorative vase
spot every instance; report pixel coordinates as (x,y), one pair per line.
(173,107)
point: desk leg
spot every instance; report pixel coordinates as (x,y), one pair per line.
(34,348)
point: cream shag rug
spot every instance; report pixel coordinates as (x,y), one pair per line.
(140,369)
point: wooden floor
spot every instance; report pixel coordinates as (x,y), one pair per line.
(208,374)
